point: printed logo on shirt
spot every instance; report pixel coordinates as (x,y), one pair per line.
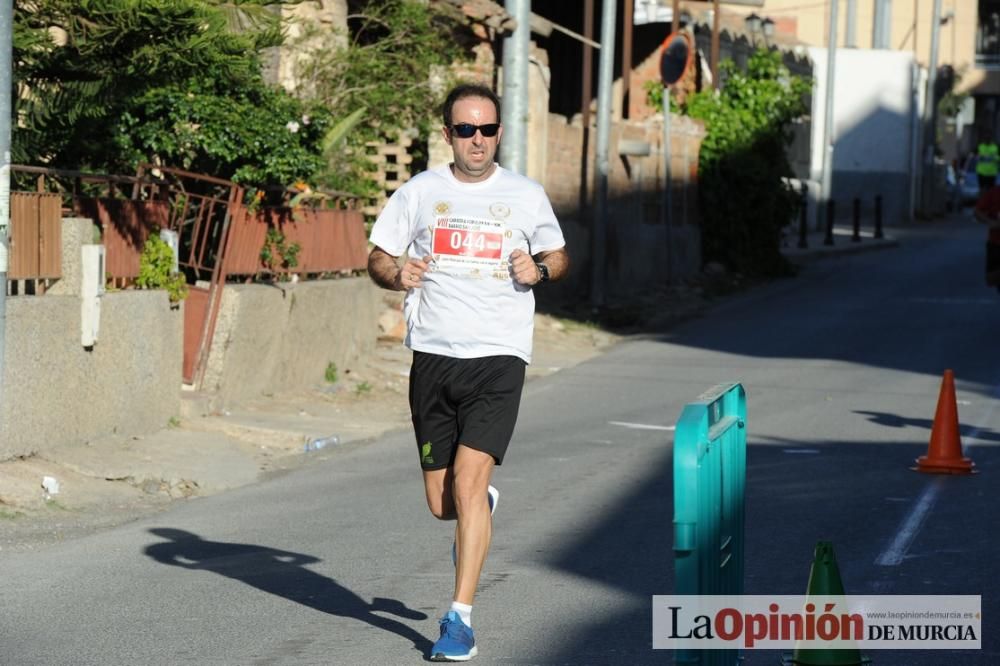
(499,210)
(442,207)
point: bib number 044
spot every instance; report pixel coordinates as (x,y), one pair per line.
(468,243)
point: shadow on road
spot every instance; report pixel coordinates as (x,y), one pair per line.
(284,574)
(896,421)
(798,492)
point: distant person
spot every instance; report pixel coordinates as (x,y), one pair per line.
(987,211)
(479,239)
(987,163)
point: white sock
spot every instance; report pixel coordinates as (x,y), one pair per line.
(464,611)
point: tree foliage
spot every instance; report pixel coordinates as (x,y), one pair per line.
(389,67)
(103,84)
(259,135)
(743,163)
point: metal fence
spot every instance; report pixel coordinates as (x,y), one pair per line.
(35,236)
(220,238)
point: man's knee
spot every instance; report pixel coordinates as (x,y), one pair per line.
(471,481)
(469,487)
(438,493)
(440,508)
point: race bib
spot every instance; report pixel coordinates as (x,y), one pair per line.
(468,246)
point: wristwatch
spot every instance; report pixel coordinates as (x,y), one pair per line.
(543,271)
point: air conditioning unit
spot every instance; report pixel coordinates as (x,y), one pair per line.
(91,290)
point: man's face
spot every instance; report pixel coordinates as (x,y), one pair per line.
(473,156)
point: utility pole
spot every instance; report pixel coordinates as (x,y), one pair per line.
(882,25)
(850,30)
(599,228)
(930,112)
(587,84)
(513,148)
(831,57)
(715,47)
(6,104)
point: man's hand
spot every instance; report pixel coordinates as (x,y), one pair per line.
(411,275)
(386,273)
(523,267)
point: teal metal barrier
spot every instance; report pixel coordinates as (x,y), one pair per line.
(710,465)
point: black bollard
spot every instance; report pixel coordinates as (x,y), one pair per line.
(878,216)
(856,236)
(829,223)
(804,218)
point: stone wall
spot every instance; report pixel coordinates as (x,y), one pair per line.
(55,392)
(278,338)
(328,16)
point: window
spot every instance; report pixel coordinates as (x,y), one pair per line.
(988,34)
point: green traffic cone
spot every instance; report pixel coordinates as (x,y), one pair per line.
(824,580)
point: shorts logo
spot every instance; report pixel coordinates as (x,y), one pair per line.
(425,454)
(499,210)
(442,207)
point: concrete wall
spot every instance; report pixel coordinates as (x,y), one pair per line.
(271,339)
(57,393)
(76,232)
(873,130)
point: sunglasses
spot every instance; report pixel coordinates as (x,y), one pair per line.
(467,131)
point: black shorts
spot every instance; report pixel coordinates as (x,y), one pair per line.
(468,401)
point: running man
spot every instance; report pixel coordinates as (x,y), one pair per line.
(478,238)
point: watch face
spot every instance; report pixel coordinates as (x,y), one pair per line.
(543,271)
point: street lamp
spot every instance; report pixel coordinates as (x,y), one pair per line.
(767,26)
(757,26)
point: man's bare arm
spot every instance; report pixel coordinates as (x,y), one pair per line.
(557,262)
(386,272)
(383,270)
(524,267)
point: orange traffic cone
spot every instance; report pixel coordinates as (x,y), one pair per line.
(944,455)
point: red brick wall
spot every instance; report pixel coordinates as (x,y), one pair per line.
(640,252)
(565,150)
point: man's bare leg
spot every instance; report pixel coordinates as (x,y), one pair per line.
(472,472)
(460,492)
(438,485)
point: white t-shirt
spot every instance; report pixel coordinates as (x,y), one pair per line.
(469,305)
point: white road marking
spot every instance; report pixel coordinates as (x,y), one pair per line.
(907,532)
(908,529)
(800,450)
(641,426)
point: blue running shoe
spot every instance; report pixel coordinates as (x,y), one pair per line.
(492,496)
(456,643)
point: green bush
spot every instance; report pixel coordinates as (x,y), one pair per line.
(156,270)
(85,68)
(743,163)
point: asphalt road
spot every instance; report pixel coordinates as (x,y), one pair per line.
(340,563)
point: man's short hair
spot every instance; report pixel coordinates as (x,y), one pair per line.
(465,90)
